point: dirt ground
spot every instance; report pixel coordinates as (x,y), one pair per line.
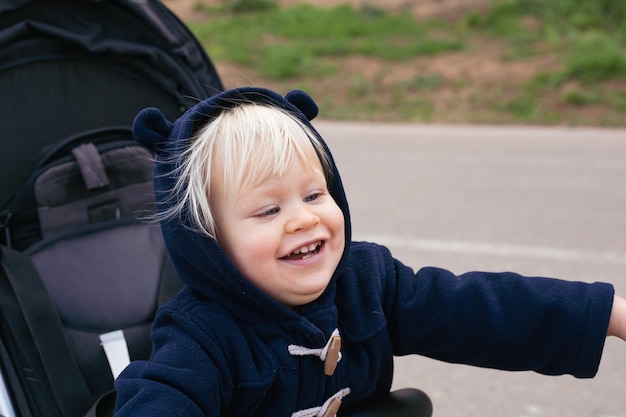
(487,78)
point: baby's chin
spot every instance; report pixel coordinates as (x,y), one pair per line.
(305,297)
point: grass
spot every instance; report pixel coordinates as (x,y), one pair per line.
(306,47)
(289,43)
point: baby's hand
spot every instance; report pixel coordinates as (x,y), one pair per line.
(617,323)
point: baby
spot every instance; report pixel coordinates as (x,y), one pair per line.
(284,315)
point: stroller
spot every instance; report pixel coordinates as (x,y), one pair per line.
(74,187)
(75,255)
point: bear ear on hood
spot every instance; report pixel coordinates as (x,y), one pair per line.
(151,128)
(303,102)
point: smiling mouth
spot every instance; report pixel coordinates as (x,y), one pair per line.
(304,252)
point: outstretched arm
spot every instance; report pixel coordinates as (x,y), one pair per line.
(617,323)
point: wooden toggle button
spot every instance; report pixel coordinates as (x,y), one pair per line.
(333,407)
(332,355)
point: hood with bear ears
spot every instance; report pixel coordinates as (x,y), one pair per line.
(200,262)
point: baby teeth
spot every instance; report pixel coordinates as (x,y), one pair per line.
(306,249)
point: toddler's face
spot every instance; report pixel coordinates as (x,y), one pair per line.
(286,234)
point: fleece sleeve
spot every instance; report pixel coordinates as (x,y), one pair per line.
(181,379)
(499,320)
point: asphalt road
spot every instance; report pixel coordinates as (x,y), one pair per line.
(538,201)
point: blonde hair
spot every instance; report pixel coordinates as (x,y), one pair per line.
(246,145)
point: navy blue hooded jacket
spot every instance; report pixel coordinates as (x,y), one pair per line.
(224,348)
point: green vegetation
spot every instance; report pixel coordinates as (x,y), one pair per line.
(588,37)
(288,43)
(304,46)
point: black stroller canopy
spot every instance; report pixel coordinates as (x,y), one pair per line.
(72,65)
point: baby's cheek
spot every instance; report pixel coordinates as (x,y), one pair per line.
(339,219)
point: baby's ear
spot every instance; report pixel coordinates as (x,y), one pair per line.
(303,102)
(151,128)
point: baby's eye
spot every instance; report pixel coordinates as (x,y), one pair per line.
(269,212)
(312,197)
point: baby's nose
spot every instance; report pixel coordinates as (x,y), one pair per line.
(302,219)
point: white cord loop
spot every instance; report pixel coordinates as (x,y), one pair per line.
(328,409)
(297,350)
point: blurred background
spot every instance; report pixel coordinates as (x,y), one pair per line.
(437,61)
